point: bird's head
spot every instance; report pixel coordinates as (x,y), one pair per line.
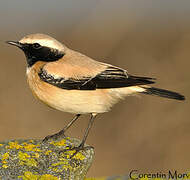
(40,47)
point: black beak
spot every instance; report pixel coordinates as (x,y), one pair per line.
(15,43)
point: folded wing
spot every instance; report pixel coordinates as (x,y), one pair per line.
(110,77)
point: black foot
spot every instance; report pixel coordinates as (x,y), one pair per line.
(77,149)
(54,136)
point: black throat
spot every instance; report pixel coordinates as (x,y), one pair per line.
(35,53)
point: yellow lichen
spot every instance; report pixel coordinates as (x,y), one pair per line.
(14,145)
(36,155)
(31,162)
(31,141)
(48,152)
(78,156)
(23,156)
(25,159)
(63,159)
(5,166)
(64,166)
(30,147)
(144,178)
(59,143)
(5,156)
(29,175)
(55,169)
(58,163)
(26,146)
(188,175)
(48,177)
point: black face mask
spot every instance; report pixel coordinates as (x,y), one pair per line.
(35,52)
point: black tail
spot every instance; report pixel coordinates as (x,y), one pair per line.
(163,93)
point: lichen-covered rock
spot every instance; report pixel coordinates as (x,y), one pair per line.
(32,159)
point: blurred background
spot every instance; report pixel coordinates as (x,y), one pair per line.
(148,38)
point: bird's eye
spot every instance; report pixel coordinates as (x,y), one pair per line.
(36,46)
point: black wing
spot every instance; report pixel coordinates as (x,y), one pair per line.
(112,77)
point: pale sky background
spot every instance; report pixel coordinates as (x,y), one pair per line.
(21,16)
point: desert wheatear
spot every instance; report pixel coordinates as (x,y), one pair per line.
(72,82)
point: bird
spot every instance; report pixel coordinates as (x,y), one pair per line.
(72,82)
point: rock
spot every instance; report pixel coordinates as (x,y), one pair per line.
(32,159)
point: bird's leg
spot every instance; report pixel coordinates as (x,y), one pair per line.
(61,133)
(81,146)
